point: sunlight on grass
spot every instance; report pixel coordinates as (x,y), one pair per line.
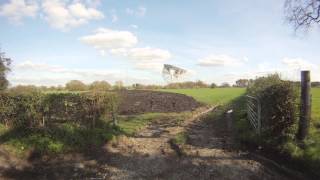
(129,125)
(180,138)
(211,96)
(316,104)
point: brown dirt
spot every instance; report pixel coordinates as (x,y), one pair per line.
(139,101)
(208,154)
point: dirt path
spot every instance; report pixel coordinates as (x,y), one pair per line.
(207,155)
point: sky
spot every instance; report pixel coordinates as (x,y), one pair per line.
(54,41)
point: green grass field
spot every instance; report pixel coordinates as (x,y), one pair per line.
(316,104)
(211,96)
(225,95)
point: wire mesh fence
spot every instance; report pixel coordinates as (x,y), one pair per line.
(254,112)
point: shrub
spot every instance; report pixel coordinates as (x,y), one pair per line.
(76,85)
(100,86)
(186,85)
(262,83)
(213,85)
(278,115)
(37,109)
(225,85)
(19,110)
(315,84)
(24,89)
(278,100)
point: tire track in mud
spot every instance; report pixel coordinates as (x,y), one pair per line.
(208,153)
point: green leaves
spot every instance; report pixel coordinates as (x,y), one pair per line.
(31,109)
(279,107)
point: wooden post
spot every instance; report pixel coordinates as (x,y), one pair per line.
(305,106)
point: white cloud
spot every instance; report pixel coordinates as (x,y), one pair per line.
(134,26)
(221,60)
(64,16)
(119,51)
(140,11)
(80,11)
(287,68)
(298,63)
(46,74)
(150,66)
(91,3)
(29,65)
(145,58)
(16,10)
(149,54)
(121,43)
(104,39)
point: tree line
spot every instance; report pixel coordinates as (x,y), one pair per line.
(77,85)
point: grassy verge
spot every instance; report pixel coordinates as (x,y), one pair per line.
(316,106)
(68,137)
(129,125)
(60,138)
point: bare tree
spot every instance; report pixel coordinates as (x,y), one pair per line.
(302,13)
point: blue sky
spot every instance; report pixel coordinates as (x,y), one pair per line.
(54,41)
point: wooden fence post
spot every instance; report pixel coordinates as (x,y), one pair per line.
(305,106)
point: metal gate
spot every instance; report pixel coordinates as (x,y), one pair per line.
(254,112)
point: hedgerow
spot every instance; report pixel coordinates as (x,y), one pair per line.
(37,109)
(279,110)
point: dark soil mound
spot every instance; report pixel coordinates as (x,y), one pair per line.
(138,102)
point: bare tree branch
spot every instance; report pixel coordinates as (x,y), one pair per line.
(302,13)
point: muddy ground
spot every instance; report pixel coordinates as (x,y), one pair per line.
(139,102)
(209,153)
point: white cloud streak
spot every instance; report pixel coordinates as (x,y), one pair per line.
(121,43)
(139,12)
(104,39)
(60,75)
(288,69)
(149,54)
(145,58)
(134,26)
(298,63)
(220,61)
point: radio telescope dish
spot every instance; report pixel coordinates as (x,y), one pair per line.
(172,73)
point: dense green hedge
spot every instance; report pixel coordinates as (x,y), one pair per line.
(39,109)
(279,110)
